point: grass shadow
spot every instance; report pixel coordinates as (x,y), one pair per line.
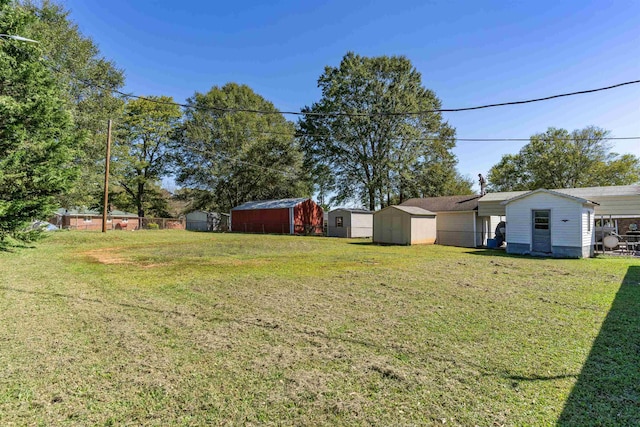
(503,253)
(607,391)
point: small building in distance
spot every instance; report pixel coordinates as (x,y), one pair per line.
(283,216)
(549,223)
(345,222)
(404,225)
(89,219)
(207,221)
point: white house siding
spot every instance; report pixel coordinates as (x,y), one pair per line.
(566,224)
(457,229)
(588,232)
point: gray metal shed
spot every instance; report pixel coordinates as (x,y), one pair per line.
(345,222)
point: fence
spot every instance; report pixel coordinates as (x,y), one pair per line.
(163,223)
(277,228)
(94,223)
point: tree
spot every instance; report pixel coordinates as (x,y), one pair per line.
(142,149)
(238,156)
(36,131)
(87,81)
(375,156)
(562,159)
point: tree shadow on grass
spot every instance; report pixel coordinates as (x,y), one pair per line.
(607,392)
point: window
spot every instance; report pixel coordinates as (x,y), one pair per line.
(541,220)
(588,220)
(87,219)
(338,221)
(125,220)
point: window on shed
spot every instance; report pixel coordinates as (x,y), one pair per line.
(541,220)
(338,221)
(87,219)
(588,220)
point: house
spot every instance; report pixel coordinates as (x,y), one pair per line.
(457,220)
(284,216)
(617,207)
(404,225)
(546,222)
(89,219)
(345,222)
(207,221)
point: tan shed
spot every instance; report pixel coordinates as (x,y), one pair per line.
(404,225)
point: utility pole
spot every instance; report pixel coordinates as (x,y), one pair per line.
(106,179)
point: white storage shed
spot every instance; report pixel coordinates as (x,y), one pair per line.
(345,222)
(549,223)
(404,225)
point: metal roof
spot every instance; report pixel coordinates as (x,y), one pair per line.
(270,204)
(93,212)
(413,210)
(445,203)
(552,192)
(584,193)
(360,211)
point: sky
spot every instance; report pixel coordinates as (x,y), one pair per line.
(468,52)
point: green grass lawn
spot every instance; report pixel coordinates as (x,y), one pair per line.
(178,328)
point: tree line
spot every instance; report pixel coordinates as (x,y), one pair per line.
(56,97)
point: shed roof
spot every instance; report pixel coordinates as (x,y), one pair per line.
(445,203)
(270,204)
(412,210)
(552,192)
(359,211)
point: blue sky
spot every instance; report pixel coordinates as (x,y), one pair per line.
(469,53)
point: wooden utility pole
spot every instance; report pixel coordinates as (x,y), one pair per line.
(106,179)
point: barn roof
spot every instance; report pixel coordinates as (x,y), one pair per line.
(445,203)
(270,204)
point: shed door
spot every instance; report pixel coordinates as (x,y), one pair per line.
(541,241)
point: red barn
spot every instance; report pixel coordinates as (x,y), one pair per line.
(285,216)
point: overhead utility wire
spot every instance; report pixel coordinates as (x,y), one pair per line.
(338,113)
(321,135)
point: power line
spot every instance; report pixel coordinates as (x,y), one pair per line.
(344,114)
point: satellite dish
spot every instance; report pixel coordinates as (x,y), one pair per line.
(610,242)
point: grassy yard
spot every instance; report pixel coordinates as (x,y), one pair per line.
(179,328)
